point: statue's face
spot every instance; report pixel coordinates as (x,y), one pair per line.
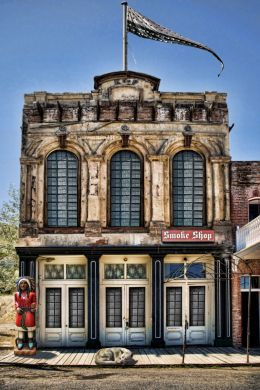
(23,285)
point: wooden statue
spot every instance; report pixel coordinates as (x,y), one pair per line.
(25,305)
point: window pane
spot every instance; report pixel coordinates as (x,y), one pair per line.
(254,209)
(196,271)
(75,271)
(188,189)
(173,306)
(136,271)
(173,271)
(136,307)
(53,271)
(76,307)
(113,307)
(53,308)
(62,188)
(125,189)
(114,271)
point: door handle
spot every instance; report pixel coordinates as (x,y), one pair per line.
(127,324)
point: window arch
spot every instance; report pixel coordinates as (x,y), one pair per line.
(188,189)
(62,189)
(125,189)
(253,208)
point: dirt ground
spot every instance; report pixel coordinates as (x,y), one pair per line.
(238,378)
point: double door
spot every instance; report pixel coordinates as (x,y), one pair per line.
(124,315)
(188,313)
(63,311)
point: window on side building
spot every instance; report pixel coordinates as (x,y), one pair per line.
(62,189)
(125,190)
(253,209)
(188,189)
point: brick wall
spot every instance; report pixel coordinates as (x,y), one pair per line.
(245,184)
(242,269)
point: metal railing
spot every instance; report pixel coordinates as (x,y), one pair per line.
(248,235)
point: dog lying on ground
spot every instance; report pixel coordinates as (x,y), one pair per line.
(119,356)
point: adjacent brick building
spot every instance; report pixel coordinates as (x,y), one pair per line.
(245,216)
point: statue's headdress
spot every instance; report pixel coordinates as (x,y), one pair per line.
(28,280)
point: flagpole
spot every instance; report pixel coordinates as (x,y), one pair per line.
(124,4)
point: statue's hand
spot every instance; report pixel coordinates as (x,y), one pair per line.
(19,311)
(33,307)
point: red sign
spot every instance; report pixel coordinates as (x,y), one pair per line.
(188,235)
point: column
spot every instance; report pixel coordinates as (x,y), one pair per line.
(27,266)
(23,194)
(93,302)
(157,301)
(93,217)
(217,190)
(158,169)
(223,300)
(221,188)
(29,195)
(227,191)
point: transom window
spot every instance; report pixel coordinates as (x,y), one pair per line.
(184,271)
(57,271)
(125,271)
(188,189)
(125,189)
(62,189)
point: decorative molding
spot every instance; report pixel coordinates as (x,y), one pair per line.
(62,134)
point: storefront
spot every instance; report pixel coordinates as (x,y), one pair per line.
(128,299)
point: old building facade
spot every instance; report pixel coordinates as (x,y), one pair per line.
(245,216)
(125,214)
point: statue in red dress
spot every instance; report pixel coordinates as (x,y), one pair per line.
(25,305)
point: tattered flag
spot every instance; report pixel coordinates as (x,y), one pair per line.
(146,28)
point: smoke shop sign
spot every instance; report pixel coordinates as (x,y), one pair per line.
(188,235)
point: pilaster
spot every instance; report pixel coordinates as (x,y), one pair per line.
(93,302)
(223,300)
(157,301)
(159,165)
(93,226)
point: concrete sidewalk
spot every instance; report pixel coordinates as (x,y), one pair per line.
(143,357)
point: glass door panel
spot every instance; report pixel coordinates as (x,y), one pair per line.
(53,308)
(197,306)
(113,307)
(135,328)
(173,306)
(136,307)
(76,308)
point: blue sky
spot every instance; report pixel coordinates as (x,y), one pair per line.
(60,45)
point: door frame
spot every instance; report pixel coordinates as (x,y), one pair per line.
(64,284)
(125,284)
(186,283)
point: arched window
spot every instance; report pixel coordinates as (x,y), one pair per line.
(62,189)
(188,189)
(253,209)
(125,189)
